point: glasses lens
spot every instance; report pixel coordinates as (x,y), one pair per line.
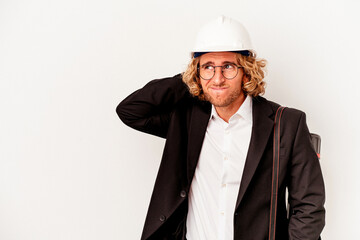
(207,72)
(229,70)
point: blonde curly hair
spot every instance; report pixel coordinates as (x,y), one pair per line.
(254,70)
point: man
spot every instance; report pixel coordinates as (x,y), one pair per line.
(214,180)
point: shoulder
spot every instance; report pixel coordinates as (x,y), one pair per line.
(274,105)
(289,112)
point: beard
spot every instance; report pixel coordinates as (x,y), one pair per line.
(218,101)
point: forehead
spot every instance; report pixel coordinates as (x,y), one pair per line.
(218,57)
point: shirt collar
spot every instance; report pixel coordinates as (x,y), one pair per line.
(244,111)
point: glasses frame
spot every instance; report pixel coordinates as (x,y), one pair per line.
(222,71)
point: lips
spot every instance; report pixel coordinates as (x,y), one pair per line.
(218,89)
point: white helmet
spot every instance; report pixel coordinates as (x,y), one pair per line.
(222,35)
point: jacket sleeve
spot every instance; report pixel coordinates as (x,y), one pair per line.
(306,188)
(149,108)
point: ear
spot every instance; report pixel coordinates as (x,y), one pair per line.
(245,78)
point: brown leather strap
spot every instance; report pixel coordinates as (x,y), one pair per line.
(275,174)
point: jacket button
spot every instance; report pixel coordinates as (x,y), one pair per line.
(162,218)
(182,194)
(236,213)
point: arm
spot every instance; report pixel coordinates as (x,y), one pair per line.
(149,108)
(306,188)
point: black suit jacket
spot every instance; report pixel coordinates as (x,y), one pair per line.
(165,108)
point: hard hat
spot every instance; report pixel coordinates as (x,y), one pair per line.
(222,35)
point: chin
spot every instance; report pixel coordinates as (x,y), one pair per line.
(220,103)
(225,104)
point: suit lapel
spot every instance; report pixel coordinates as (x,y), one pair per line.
(198,123)
(261,130)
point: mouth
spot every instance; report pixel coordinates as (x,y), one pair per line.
(218,89)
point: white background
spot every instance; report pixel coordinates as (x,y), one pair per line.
(69,169)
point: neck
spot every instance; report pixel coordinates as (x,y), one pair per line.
(228,111)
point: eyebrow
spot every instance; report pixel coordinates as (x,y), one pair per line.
(212,63)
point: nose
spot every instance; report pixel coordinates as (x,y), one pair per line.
(218,77)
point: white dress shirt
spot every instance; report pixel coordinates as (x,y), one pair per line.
(215,186)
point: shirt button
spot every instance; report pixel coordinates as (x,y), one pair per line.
(182,194)
(225,158)
(227,131)
(162,218)
(222,213)
(224,185)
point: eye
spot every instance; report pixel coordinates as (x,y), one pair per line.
(208,67)
(229,66)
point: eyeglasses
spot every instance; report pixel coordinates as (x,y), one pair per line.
(228,70)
